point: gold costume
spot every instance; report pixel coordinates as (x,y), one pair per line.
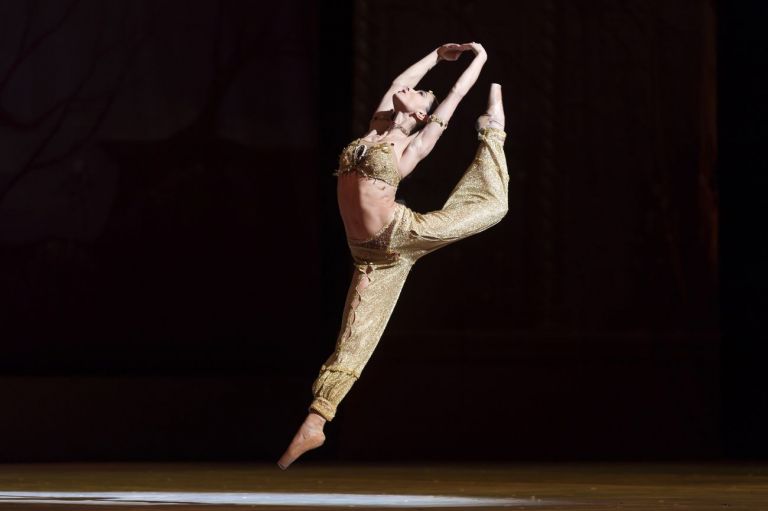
(382,262)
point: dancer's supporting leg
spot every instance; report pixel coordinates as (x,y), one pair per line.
(370,302)
(371,298)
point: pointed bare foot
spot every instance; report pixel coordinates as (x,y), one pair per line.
(494,115)
(309,436)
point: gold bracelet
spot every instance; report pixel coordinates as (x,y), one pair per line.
(434,118)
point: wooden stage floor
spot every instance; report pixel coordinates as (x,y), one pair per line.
(308,486)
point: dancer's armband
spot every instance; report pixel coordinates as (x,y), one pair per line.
(442,123)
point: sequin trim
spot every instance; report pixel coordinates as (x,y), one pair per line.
(378,170)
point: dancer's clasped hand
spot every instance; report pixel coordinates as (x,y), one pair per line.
(476,48)
(452,51)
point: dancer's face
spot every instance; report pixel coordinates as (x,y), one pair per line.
(413,100)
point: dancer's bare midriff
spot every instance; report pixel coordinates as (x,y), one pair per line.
(366,205)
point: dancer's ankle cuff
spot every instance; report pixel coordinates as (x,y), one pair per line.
(323,408)
(490,131)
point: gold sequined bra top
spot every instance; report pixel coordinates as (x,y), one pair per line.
(376,161)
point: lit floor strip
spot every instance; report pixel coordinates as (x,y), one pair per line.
(258,499)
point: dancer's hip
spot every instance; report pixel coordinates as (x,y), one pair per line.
(381,248)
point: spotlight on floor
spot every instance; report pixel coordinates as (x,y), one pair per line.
(259,499)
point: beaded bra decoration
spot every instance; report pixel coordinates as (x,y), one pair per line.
(376,161)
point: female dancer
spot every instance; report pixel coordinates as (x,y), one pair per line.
(385,237)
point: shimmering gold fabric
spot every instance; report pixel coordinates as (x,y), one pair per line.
(382,264)
(376,161)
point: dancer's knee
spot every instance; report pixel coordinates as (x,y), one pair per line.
(500,210)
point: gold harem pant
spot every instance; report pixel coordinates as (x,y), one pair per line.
(382,264)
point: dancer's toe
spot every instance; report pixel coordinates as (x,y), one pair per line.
(494,115)
(306,438)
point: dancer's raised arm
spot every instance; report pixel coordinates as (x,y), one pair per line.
(426,139)
(408,78)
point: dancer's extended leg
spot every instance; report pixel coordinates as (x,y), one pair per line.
(479,200)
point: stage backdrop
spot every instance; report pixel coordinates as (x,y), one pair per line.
(174,266)
(585,323)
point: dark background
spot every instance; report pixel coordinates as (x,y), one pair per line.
(173,265)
